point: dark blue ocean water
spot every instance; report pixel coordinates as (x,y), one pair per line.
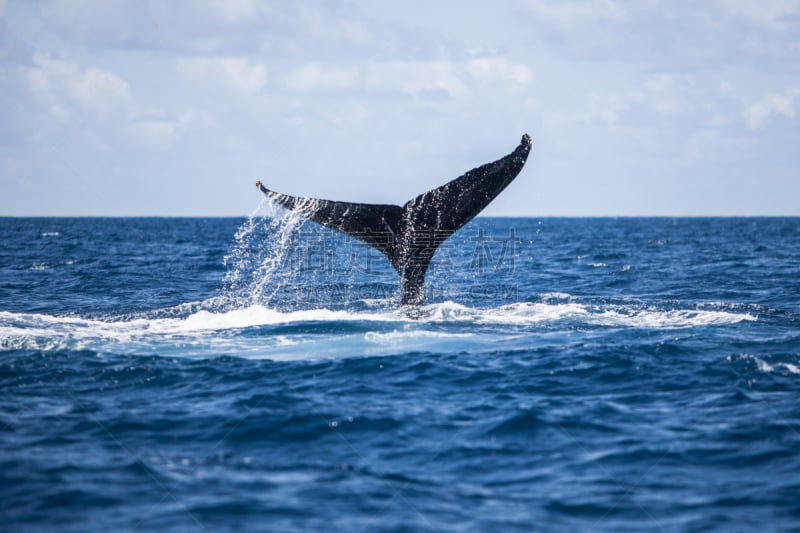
(230,374)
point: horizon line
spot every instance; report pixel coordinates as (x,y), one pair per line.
(478,217)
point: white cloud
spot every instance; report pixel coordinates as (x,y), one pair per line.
(324,26)
(608,108)
(676,35)
(319,77)
(499,68)
(453,78)
(773,14)
(93,88)
(658,93)
(570,13)
(415,77)
(237,74)
(233,9)
(160,131)
(781,104)
(342,116)
(659,83)
(309,29)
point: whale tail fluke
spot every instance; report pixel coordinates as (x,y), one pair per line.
(410,235)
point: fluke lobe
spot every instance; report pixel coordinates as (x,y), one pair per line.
(409,235)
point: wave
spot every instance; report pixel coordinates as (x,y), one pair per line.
(256,331)
(778,367)
(588,314)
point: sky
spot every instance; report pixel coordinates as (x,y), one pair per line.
(176,108)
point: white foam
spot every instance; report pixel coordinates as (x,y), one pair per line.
(604,315)
(197,322)
(681,318)
(768,368)
(193,330)
(555,295)
(401,336)
(515,314)
(258,315)
(200,333)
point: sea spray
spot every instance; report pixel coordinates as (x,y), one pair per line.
(255,263)
(280,260)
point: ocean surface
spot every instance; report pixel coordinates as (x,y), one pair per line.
(258,374)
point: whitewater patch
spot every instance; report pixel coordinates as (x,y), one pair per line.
(408,339)
(200,333)
(260,332)
(767,368)
(681,318)
(613,315)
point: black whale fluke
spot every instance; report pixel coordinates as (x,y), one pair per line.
(409,235)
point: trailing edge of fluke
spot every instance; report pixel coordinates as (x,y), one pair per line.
(409,235)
